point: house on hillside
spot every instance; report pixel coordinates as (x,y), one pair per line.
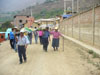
(21,20)
(47,22)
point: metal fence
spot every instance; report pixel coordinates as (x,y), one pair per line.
(84,26)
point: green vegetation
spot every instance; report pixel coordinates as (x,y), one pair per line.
(7,18)
(48,14)
(5,25)
(95,55)
(90,52)
(91,57)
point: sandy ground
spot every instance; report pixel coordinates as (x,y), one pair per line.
(68,62)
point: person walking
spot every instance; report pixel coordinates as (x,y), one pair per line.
(17,33)
(30,37)
(11,37)
(46,38)
(55,40)
(36,35)
(40,35)
(22,43)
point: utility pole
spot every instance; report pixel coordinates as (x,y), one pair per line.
(72,7)
(31,11)
(72,15)
(79,25)
(93,23)
(64,7)
(77,6)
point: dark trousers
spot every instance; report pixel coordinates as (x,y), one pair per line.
(45,43)
(22,53)
(12,43)
(40,39)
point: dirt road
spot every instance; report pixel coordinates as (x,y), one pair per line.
(39,62)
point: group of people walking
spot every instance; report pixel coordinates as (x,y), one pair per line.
(19,41)
(44,36)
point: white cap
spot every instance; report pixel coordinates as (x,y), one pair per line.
(56,27)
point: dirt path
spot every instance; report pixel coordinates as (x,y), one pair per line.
(39,62)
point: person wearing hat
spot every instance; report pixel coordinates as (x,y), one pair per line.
(22,43)
(55,40)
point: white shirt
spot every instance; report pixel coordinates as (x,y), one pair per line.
(23,40)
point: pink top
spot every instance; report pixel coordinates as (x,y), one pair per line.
(40,33)
(55,34)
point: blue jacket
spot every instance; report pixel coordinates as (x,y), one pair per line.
(46,34)
(11,35)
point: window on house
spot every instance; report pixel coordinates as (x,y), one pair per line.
(26,21)
(20,21)
(27,16)
(2,36)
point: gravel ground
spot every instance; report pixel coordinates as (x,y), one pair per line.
(68,62)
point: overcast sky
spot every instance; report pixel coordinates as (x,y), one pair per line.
(12,5)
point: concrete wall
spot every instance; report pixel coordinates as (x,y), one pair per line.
(84,27)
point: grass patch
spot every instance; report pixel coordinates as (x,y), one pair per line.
(90,57)
(90,52)
(95,55)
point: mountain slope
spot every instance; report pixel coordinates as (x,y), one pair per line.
(57,5)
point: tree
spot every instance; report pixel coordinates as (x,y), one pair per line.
(6,25)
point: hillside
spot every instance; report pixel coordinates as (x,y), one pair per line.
(45,9)
(50,8)
(8,16)
(56,6)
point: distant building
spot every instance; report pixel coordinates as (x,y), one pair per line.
(21,20)
(50,21)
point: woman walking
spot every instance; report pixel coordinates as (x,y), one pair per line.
(55,40)
(40,35)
